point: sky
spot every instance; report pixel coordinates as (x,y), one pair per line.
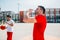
(12,5)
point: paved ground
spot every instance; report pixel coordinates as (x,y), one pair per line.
(23,31)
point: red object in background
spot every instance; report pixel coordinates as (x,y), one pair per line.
(21,16)
(2,27)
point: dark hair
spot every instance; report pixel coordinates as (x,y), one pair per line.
(42,9)
(9,16)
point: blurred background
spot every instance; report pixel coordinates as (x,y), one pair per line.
(18,9)
(52,15)
(23,31)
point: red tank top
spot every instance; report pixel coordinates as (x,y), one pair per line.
(39,27)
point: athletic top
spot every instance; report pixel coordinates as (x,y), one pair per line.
(39,27)
(10,28)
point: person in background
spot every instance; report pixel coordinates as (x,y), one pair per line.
(39,22)
(9,27)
